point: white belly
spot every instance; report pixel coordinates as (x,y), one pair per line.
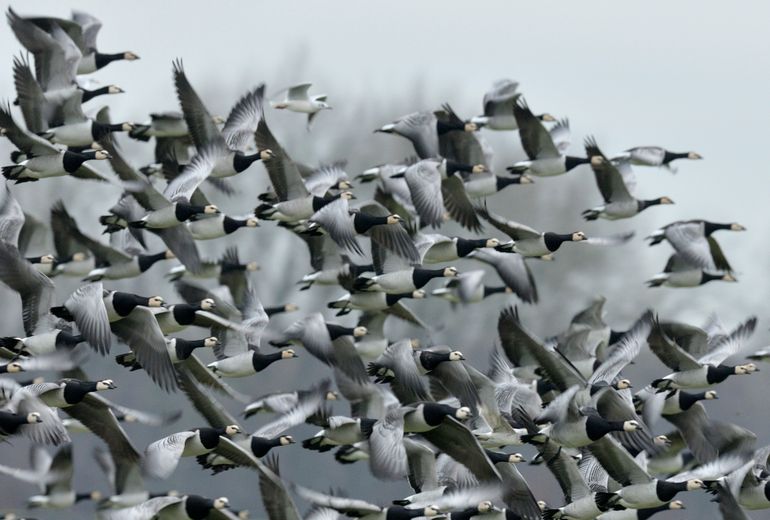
(547,167)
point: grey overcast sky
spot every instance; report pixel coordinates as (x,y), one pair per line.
(688,75)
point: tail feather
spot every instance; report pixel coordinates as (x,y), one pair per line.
(12,172)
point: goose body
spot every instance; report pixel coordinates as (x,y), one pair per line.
(247,363)
(405,281)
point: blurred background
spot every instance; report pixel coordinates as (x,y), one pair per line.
(685,75)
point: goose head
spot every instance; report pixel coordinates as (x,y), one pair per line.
(288,354)
(266,154)
(743,370)
(130,56)
(526,179)
(253,266)
(548,118)
(14,367)
(210,209)
(456,355)
(676,504)
(450,272)
(470,127)
(252,222)
(79,256)
(232,429)
(479,168)
(419,294)
(431,511)
(394,219)
(737,227)
(114,89)
(485,507)
(33,418)
(221,503)
(101,155)
(492,242)
(694,156)
(542,505)
(155,301)
(623,384)
(105,384)
(631,426)
(285,440)
(47,259)
(207,304)
(463,413)
(344,185)
(331,396)
(596,160)
(710,395)
(348,195)
(578,236)
(662,440)
(211,342)
(694,484)
(727,277)
(170,254)
(360,332)
(516,458)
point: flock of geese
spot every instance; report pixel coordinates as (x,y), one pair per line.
(417,411)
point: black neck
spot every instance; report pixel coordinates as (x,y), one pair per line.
(90,94)
(147,261)
(571,162)
(686,399)
(597,427)
(494,290)
(184,348)
(242,161)
(232,224)
(102,60)
(443,127)
(644,514)
(554,240)
(717,374)
(335,331)
(430,360)
(260,446)
(320,202)
(434,413)
(392,299)
(363,222)
(210,436)
(184,313)
(666,490)
(671,156)
(496,456)
(184,211)
(644,204)
(262,361)
(466,246)
(270,311)
(74,160)
(124,303)
(710,227)
(452,167)
(502,182)
(230,267)
(75,391)
(709,277)
(198,507)
(100,130)
(422,276)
